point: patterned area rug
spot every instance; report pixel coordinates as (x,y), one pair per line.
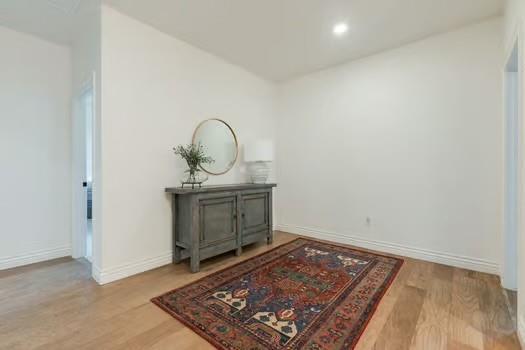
(302,295)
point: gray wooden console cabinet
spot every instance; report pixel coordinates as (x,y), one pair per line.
(213,220)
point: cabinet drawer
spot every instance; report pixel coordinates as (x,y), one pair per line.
(255,209)
(217,220)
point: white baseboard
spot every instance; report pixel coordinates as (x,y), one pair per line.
(397,249)
(34,257)
(95,273)
(521,331)
(130,269)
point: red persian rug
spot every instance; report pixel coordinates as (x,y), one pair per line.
(301,295)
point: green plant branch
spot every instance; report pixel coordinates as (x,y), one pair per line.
(194,156)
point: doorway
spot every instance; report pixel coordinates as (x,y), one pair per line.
(512,169)
(83,142)
(87,111)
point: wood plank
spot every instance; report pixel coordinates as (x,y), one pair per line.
(378,321)
(398,331)
(55,305)
(466,318)
(498,325)
(431,331)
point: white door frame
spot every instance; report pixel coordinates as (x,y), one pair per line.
(513,190)
(79,194)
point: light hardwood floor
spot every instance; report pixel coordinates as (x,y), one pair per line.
(55,305)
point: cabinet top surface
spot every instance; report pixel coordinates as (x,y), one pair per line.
(218,188)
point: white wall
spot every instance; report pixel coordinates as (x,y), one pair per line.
(155,91)
(35,208)
(411,138)
(514,27)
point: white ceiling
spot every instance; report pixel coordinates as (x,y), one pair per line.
(54,20)
(279,39)
(276,39)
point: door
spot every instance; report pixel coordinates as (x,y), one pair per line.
(83,121)
(87,110)
(513,124)
(255,216)
(218,220)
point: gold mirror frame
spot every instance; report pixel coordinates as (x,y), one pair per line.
(234,137)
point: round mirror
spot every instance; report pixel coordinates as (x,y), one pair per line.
(219,142)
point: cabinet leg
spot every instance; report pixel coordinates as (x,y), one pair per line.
(238,251)
(194,262)
(177,255)
(194,265)
(270,237)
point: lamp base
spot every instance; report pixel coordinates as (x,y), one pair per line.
(259,172)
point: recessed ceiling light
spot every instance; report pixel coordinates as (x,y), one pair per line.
(340,29)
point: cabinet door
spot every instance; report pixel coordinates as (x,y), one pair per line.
(255,213)
(217,220)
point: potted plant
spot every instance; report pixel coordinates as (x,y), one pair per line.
(194,156)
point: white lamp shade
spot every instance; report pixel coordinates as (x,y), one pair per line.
(258,151)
